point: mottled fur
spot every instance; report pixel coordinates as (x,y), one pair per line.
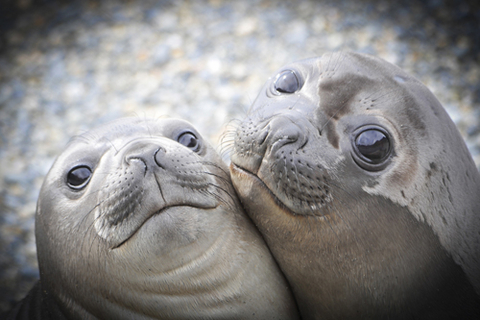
(400,242)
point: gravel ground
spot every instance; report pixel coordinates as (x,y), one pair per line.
(67,66)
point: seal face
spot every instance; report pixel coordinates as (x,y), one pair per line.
(363,189)
(122,207)
(138,220)
(142,177)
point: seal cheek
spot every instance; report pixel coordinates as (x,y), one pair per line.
(332,134)
(183,179)
(262,204)
(120,202)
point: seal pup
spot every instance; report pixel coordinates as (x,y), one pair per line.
(138,220)
(364,191)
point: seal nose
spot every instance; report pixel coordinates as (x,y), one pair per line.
(255,141)
(150,154)
(160,156)
(282,131)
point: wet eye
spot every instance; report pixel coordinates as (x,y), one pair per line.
(78,177)
(373,145)
(287,82)
(189,140)
(372,148)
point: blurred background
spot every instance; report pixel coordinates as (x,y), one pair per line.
(68,66)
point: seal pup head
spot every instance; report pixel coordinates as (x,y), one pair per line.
(362,187)
(138,219)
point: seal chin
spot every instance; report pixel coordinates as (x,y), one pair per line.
(250,186)
(164,210)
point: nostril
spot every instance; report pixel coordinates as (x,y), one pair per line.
(159,157)
(284,140)
(263,136)
(290,138)
(288,134)
(305,141)
(285,131)
(138,159)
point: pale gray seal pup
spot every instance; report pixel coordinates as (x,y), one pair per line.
(138,220)
(364,191)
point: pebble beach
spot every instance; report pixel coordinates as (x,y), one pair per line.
(69,66)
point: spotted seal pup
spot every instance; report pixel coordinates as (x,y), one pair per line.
(364,191)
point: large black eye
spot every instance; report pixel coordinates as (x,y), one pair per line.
(78,177)
(373,145)
(189,140)
(373,148)
(287,82)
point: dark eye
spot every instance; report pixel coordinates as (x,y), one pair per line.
(372,148)
(287,82)
(78,177)
(189,140)
(373,145)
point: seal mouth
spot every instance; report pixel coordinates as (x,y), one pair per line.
(138,189)
(242,173)
(159,212)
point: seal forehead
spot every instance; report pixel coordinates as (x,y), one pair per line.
(132,127)
(349,80)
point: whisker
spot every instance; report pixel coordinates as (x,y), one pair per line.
(234,200)
(148,127)
(226,148)
(314,202)
(223,179)
(213,164)
(341,57)
(90,227)
(113,146)
(227,139)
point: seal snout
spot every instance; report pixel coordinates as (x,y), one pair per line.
(131,180)
(284,166)
(159,156)
(285,130)
(150,155)
(257,141)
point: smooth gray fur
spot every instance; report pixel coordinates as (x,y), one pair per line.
(157,233)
